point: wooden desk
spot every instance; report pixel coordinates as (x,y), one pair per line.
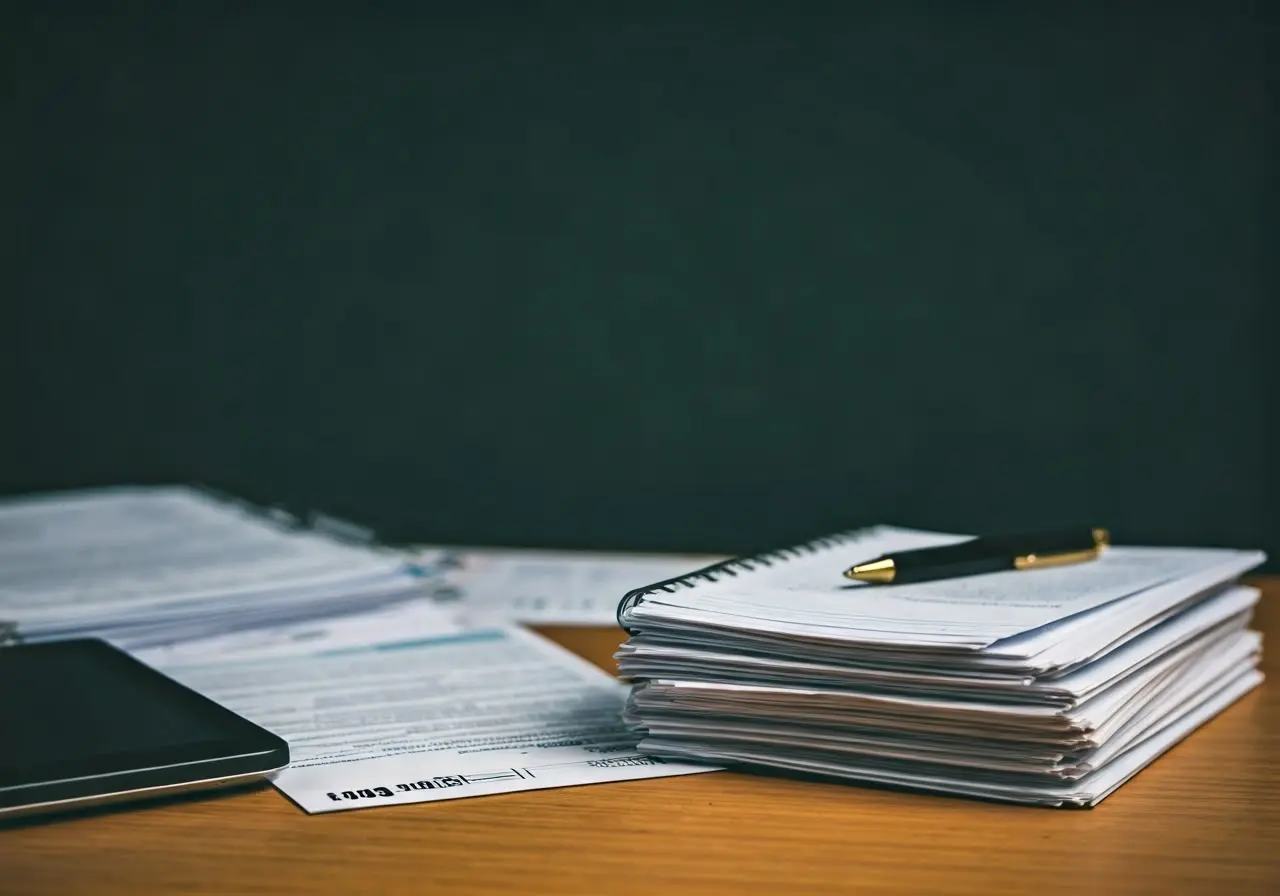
(1204,818)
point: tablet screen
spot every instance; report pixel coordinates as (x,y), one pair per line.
(81,707)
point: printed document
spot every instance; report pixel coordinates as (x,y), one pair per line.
(433,717)
(412,619)
(497,585)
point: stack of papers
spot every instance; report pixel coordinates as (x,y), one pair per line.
(1051,687)
(145,566)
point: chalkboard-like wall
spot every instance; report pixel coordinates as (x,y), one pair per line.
(553,275)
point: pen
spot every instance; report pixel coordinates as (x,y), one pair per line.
(982,555)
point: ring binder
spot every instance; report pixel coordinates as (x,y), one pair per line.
(734,565)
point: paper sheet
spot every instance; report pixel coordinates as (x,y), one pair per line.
(438,717)
(496,585)
(414,619)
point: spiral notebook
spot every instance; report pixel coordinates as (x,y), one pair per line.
(1050,687)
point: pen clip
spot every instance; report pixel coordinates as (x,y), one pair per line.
(1040,561)
(1101,540)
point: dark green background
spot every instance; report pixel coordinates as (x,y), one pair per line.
(717,278)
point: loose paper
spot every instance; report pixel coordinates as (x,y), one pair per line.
(499,585)
(437,717)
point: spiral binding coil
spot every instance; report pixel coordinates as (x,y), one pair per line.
(736,565)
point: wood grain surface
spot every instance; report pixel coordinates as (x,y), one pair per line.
(1204,818)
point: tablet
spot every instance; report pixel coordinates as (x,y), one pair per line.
(83,723)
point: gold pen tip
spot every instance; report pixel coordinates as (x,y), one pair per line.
(877,572)
(1101,538)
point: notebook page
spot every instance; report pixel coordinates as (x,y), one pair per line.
(1058,643)
(808,596)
